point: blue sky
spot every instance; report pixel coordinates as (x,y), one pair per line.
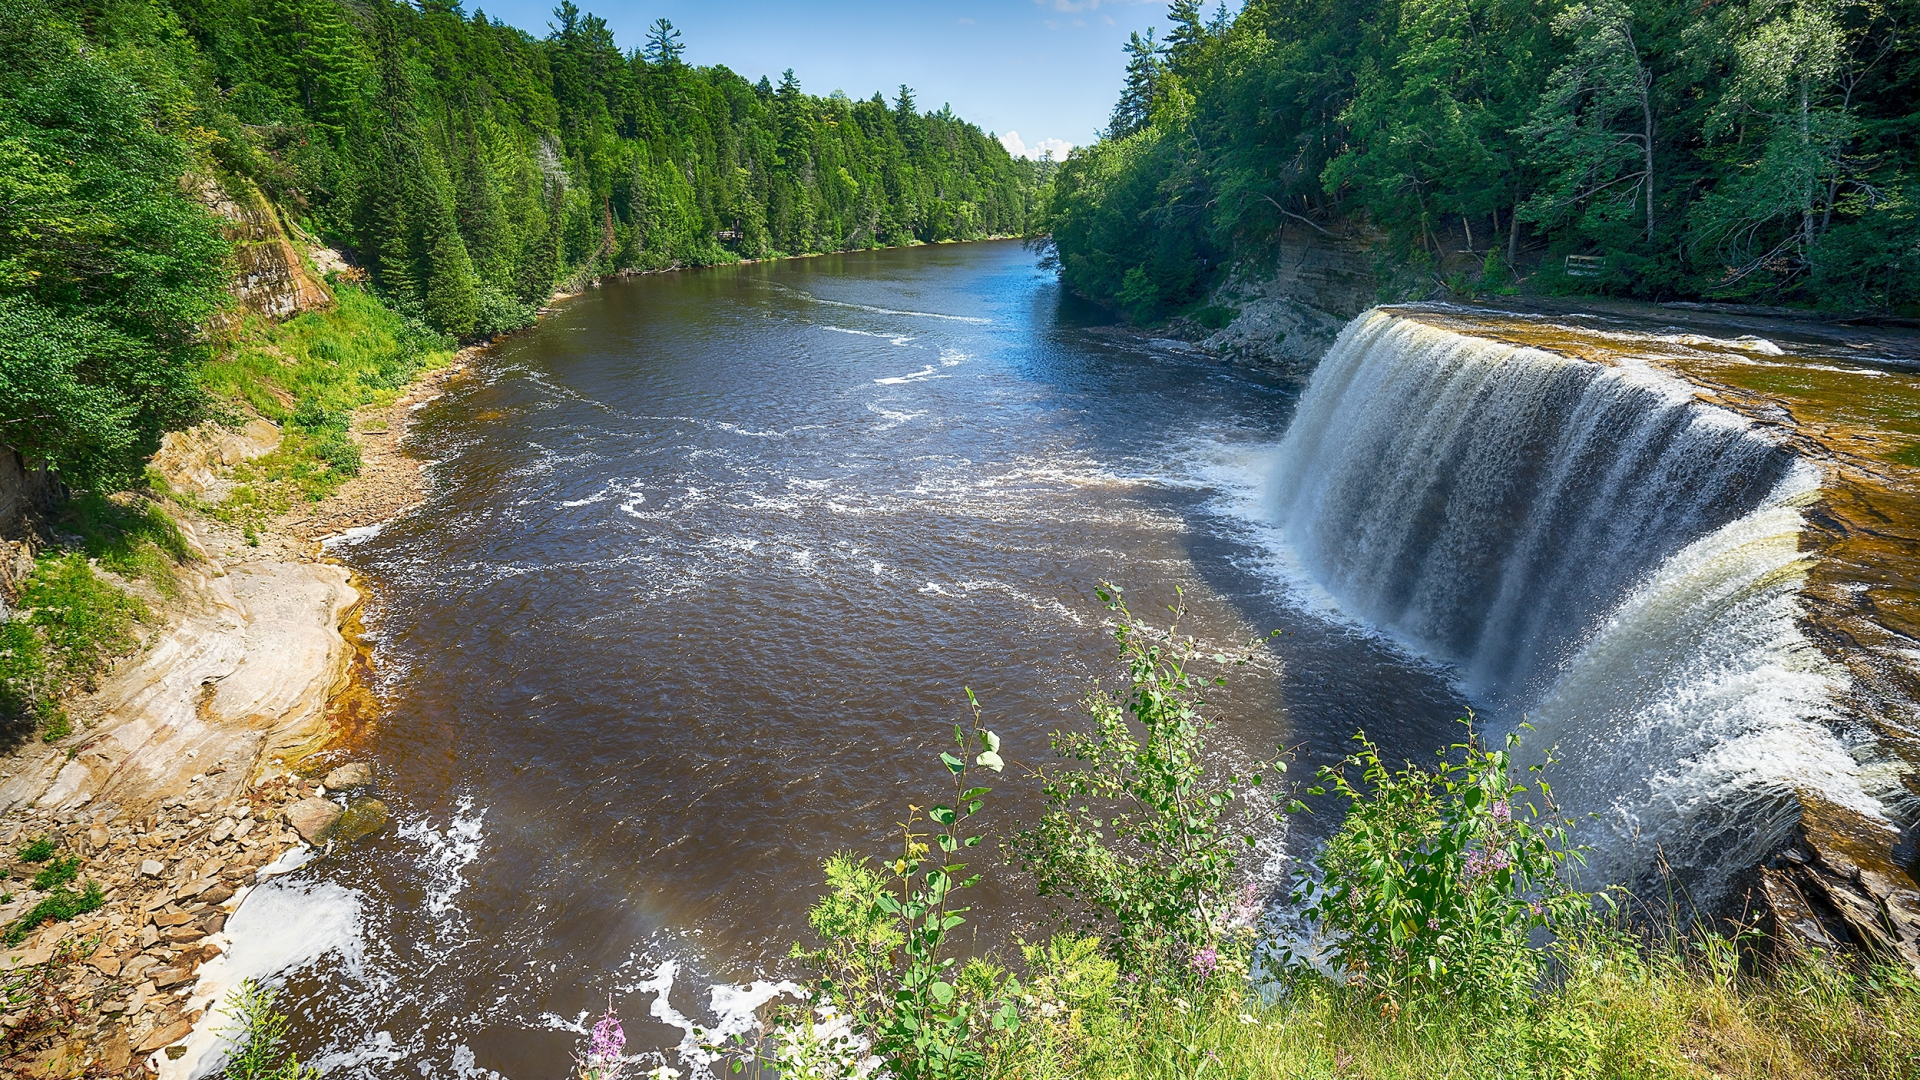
(1044,69)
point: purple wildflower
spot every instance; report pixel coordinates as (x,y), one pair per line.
(1481,863)
(1206,960)
(608,1041)
(1502,812)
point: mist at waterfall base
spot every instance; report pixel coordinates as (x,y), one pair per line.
(712,557)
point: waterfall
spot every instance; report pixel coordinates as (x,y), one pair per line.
(1592,549)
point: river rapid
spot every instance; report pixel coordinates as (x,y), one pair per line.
(710,560)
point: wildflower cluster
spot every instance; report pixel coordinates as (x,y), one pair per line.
(603,1060)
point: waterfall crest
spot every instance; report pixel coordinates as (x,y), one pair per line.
(1593,549)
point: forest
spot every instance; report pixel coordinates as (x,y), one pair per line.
(467,168)
(1758,151)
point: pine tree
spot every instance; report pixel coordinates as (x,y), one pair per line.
(1188,37)
(663,45)
(450,303)
(1135,106)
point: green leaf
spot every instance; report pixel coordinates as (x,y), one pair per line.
(954,764)
(989,760)
(942,992)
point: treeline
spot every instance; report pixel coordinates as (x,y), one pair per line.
(1752,150)
(467,165)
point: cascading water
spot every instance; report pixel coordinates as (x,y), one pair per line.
(1595,551)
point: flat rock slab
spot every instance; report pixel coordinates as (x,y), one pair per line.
(313,819)
(352,775)
(166,1036)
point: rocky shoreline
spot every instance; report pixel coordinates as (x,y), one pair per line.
(114,992)
(195,772)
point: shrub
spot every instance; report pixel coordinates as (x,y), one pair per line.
(498,313)
(888,962)
(258,1038)
(1215,316)
(39,851)
(340,452)
(1142,832)
(1438,877)
(310,413)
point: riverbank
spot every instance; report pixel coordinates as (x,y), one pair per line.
(195,769)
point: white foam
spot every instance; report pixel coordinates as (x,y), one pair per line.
(894,419)
(359,534)
(600,496)
(290,860)
(281,927)
(733,1008)
(923,375)
(892,339)
(448,853)
(893,311)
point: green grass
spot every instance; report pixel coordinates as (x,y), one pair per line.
(130,535)
(75,623)
(309,374)
(39,851)
(1618,1009)
(61,905)
(56,873)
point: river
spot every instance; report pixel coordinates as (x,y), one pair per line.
(710,560)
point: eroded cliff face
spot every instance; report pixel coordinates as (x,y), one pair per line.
(240,672)
(270,277)
(1293,304)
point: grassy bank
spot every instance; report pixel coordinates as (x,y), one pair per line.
(72,621)
(308,375)
(1616,1007)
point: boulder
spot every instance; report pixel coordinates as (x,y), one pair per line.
(363,817)
(313,819)
(351,775)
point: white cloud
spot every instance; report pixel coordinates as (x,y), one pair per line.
(1018,147)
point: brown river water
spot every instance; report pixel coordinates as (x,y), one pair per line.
(710,559)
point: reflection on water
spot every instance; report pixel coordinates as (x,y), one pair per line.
(710,559)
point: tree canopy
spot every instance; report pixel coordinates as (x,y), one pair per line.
(1755,150)
(467,165)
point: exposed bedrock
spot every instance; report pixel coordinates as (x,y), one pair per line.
(241,674)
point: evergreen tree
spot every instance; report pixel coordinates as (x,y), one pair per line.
(663,45)
(1135,106)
